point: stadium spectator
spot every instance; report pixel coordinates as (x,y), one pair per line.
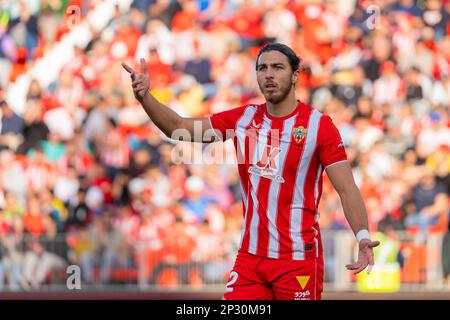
(430,202)
(195,205)
(35,129)
(11,122)
(14,245)
(79,214)
(47,254)
(12,208)
(81,252)
(178,249)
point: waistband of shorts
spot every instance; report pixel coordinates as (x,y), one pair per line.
(310,255)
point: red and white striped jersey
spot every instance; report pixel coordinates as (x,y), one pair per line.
(115,151)
(280,163)
(39,175)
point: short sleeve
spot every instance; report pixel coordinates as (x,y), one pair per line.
(226,120)
(331,147)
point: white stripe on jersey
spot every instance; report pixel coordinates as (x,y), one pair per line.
(241,126)
(275,187)
(296,218)
(316,191)
(254,183)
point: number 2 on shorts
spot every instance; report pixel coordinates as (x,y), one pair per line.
(233,278)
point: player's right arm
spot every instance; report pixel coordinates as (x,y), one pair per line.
(163,117)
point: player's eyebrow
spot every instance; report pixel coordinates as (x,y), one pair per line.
(276,64)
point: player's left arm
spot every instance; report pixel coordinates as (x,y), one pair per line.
(341,177)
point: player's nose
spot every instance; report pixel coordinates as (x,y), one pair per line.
(269,75)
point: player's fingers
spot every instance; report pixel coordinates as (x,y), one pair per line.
(137,82)
(358,264)
(352,266)
(144,65)
(374,244)
(128,68)
(359,269)
(140,89)
(364,260)
(139,85)
(140,77)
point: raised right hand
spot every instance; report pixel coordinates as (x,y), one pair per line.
(140,80)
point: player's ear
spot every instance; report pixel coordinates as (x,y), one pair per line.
(295,77)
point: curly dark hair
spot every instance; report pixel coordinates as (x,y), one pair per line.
(294,60)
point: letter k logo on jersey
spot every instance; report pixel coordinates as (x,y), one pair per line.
(268,159)
(267,165)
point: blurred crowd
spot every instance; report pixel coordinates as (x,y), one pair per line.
(30,28)
(87,179)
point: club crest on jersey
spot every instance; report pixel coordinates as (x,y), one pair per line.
(299,133)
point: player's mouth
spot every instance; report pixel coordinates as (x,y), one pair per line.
(270,86)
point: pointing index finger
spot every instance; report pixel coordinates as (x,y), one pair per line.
(128,68)
(144,65)
(374,244)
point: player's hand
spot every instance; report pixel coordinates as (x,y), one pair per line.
(365,256)
(140,81)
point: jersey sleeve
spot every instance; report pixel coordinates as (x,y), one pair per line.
(331,147)
(226,121)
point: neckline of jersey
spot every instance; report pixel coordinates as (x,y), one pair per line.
(293,113)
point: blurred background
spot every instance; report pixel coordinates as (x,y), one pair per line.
(87,180)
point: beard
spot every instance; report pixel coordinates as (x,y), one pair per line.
(277,96)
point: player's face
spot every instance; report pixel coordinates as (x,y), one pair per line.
(275,76)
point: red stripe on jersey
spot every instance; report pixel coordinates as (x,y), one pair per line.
(287,188)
